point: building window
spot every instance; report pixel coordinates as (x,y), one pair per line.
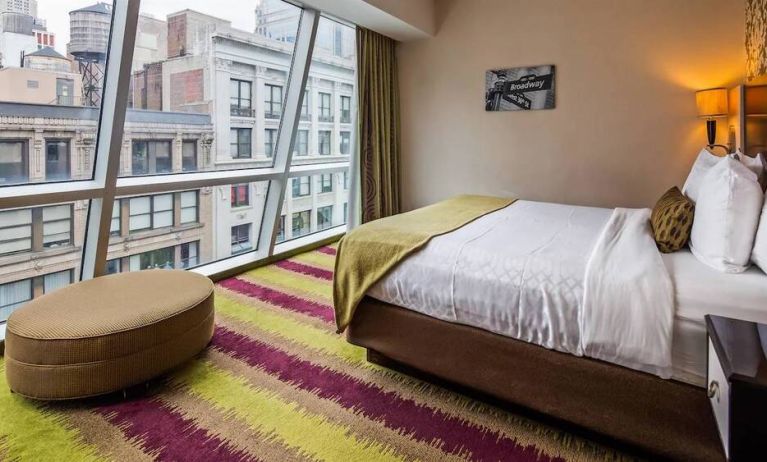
(57,226)
(65,92)
(12,296)
(240,195)
(302,143)
(345,142)
(301,223)
(346,179)
(305,115)
(240,98)
(324,142)
(241,238)
(189,156)
(115,228)
(189,207)
(273,101)
(56,281)
(154,259)
(346,212)
(114,266)
(151,157)
(14,166)
(281,230)
(324,217)
(57,166)
(189,255)
(326,183)
(302,186)
(239,143)
(151,212)
(346,109)
(325,114)
(270,139)
(15,231)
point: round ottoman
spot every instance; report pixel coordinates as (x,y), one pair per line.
(107,334)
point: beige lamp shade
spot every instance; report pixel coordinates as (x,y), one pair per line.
(712,102)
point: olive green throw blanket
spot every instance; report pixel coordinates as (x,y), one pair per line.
(370,251)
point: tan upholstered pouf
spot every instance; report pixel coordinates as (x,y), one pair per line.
(107,334)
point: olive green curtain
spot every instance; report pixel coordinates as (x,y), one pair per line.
(379,126)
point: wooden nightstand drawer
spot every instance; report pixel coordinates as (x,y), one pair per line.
(719,396)
(737,385)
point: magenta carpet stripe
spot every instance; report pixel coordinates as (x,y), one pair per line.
(275,297)
(327,250)
(305,269)
(400,414)
(167,434)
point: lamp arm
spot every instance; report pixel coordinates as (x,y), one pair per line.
(726,148)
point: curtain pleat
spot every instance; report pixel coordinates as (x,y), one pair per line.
(378,126)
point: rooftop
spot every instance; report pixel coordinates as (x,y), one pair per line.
(103,8)
(47,52)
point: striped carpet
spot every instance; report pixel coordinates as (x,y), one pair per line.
(277,384)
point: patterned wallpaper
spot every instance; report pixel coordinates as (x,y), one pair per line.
(756,38)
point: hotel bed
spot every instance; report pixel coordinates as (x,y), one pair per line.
(519,272)
(474,306)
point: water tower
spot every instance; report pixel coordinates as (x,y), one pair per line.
(89,38)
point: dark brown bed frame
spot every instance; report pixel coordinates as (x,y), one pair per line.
(638,412)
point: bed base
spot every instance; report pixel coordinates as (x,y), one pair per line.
(633,410)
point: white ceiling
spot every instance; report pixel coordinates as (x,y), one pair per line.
(402,20)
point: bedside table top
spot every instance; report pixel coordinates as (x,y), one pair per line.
(741,347)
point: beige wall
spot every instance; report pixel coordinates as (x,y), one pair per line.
(625,127)
(14,85)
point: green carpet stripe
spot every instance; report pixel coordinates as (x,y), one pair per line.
(289,280)
(33,434)
(293,426)
(326,341)
(318,259)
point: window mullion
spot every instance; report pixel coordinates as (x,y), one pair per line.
(354,217)
(114,105)
(283,155)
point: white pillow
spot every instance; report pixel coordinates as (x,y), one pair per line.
(759,254)
(726,216)
(755,164)
(703,163)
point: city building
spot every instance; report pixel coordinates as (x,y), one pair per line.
(151,42)
(26,7)
(243,91)
(17,38)
(40,247)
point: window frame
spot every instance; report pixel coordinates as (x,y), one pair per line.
(239,143)
(151,145)
(270,142)
(104,185)
(325,142)
(234,200)
(301,186)
(326,183)
(24,173)
(320,213)
(325,113)
(272,108)
(184,157)
(236,106)
(238,239)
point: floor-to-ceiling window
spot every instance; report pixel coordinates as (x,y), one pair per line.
(204,151)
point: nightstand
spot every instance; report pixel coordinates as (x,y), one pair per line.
(737,385)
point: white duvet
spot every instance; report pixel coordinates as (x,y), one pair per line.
(580,280)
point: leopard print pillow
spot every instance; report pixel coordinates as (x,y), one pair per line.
(671,220)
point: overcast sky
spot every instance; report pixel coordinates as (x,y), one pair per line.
(240,12)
